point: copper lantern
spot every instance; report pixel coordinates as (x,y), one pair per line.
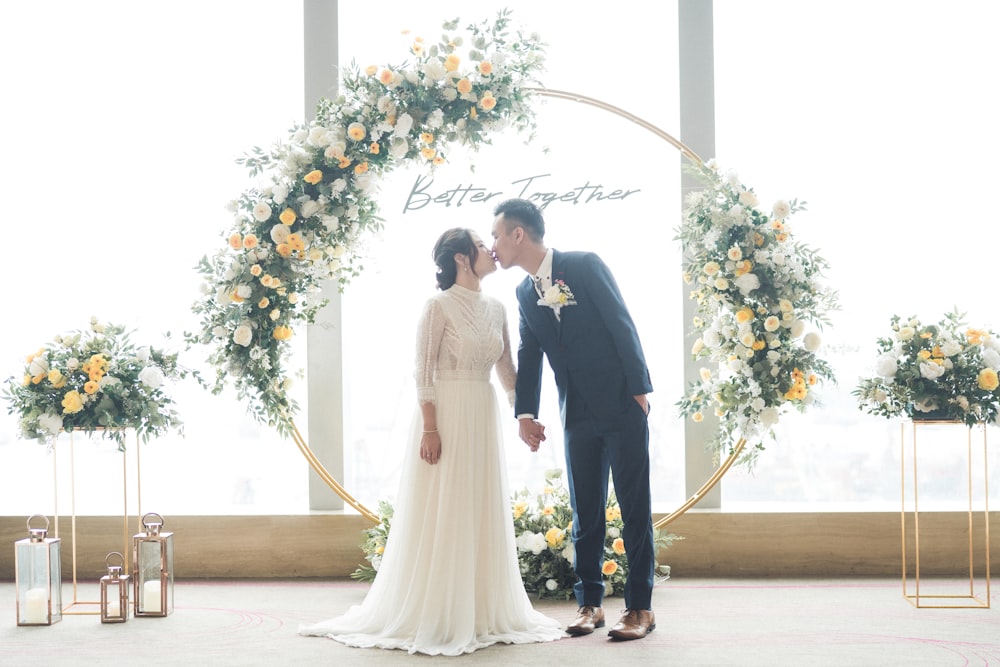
(38,577)
(153,568)
(114,591)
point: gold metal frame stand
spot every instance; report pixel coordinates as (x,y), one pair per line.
(916,598)
(69,608)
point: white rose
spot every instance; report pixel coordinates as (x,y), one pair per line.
(905,333)
(338,186)
(886,366)
(811,342)
(309,208)
(733,178)
(436,119)
(219,332)
(38,366)
(757,404)
(781,209)
(931,371)
(449,94)
(152,377)
(364,182)
(72,363)
(797,328)
(278,194)
(951,348)
(338,251)
(50,423)
(300,135)
(293,298)
(376,562)
(992,359)
(772,323)
(748,199)
(538,543)
(403,125)
(768,417)
(353,211)
(244,291)
(711,338)
(279,233)
(398,148)
(434,70)
(274,315)
(963,403)
(569,553)
(261,211)
(747,283)
(319,136)
(613,532)
(551,584)
(243,335)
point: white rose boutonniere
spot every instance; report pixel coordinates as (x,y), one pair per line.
(557,296)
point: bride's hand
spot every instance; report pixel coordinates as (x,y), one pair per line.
(430,447)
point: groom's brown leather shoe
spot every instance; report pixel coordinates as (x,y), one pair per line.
(634,624)
(588,618)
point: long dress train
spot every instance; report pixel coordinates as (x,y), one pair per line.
(449,581)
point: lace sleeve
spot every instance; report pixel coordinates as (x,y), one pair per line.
(430,331)
(505,365)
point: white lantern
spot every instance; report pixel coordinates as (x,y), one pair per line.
(38,577)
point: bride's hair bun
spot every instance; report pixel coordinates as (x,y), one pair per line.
(457,240)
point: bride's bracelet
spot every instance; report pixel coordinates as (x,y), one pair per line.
(434,431)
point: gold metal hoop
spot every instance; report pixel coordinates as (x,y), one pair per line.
(325,475)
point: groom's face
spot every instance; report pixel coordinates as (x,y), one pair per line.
(505,242)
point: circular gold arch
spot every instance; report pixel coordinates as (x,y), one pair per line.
(709,484)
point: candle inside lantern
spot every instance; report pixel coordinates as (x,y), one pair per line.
(36,606)
(114,609)
(151,601)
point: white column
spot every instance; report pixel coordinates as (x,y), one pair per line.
(324,368)
(697,107)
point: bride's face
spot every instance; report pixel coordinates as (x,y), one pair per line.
(485,264)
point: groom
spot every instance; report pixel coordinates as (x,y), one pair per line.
(571,310)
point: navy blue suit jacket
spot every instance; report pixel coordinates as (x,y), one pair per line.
(593,348)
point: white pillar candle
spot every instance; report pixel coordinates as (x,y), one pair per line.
(114,608)
(151,597)
(36,606)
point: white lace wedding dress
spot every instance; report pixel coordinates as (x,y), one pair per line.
(449,581)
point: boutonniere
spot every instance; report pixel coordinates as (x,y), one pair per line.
(557,296)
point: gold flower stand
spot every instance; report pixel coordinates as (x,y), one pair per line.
(910,431)
(92,607)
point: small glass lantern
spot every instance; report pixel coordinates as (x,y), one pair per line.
(38,576)
(114,591)
(153,568)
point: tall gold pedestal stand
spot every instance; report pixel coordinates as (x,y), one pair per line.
(958,601)
(93,607)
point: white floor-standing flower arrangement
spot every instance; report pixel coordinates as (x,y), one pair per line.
(757,292)
(305,224)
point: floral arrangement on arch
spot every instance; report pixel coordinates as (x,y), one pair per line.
(945,371)
(542,529)
(757,291)
(306,222)
(95,379)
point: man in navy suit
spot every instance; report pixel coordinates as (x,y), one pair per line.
(572,312)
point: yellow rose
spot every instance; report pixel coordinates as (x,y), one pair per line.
(988,379)
(344,162)
(427,137)
(744,315)
(975,336)
(554,536)
(356,131)
(371,70)
(313,177)
(374,148)
(464,86)
(250,241)
(438,160)
(520,507)
(488,102)
(924,354)
(451,62)
(385,77)
(284,250)
(361,168)
(548,510)
(428,153)
(711,268)
(609,568)
(697,417)
(57,379)
(263,303)
(735,253)
(266,280)
(295,242)
(235,241)
(282,332)
(91,387)
(255,270)
(72,402)
(287,217)
(618,546)
(486,68)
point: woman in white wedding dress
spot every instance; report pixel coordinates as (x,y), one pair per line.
(449,581)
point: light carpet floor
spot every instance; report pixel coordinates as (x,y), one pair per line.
(699,622)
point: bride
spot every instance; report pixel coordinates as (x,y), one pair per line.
(449,581)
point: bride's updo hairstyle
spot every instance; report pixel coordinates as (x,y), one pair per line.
(457,240)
